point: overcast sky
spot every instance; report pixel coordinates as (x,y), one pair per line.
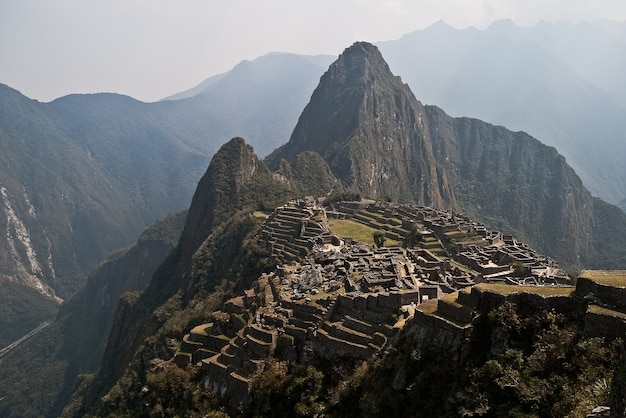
(149,49)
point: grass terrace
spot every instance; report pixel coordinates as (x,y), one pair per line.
(432,244)
(428,307)
(614,278)
(507,289)
(604,311)
(259,214)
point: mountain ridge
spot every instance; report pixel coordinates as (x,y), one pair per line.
(128,164)
(559,82)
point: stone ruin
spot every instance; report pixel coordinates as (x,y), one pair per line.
(333,297)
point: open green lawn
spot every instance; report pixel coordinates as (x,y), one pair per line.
(355,230)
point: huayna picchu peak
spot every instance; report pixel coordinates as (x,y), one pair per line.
(370,129)
(387,260)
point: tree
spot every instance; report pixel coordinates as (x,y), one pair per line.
(519,269)
(413,238)
(379,238)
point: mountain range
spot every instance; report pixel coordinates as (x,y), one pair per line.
(463,71)
(84,174)
(560,82)
(363,132)
(381,142)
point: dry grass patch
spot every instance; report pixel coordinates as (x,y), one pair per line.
(428,307)
(507,289)
(599,310)
(615,278)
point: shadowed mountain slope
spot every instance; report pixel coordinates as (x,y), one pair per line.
(85,174)
(37,378)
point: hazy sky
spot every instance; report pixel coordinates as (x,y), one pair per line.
(149,49)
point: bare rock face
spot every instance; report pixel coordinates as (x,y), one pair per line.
(370,129)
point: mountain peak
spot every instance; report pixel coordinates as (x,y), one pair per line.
(361,50)
(364,122)
(360,60)
(218,192)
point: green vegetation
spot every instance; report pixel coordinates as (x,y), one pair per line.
(355,230)
(545,368)
(379,238)
(283,389)
(22,308)
(74,343)
(352,229)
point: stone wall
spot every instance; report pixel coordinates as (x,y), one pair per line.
(609,296)
(601,322)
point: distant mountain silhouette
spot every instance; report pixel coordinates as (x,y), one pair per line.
(560,82)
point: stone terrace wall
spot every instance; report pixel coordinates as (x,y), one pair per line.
(609,296)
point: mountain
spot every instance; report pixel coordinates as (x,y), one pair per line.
(382,143)
(213,282)
(214,255)
(560,82)
(261,99)
(97,164)
(85,174)
(274,72)
(80,177)
(73,344)
(364,122)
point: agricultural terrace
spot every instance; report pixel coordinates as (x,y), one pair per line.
(507,289)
